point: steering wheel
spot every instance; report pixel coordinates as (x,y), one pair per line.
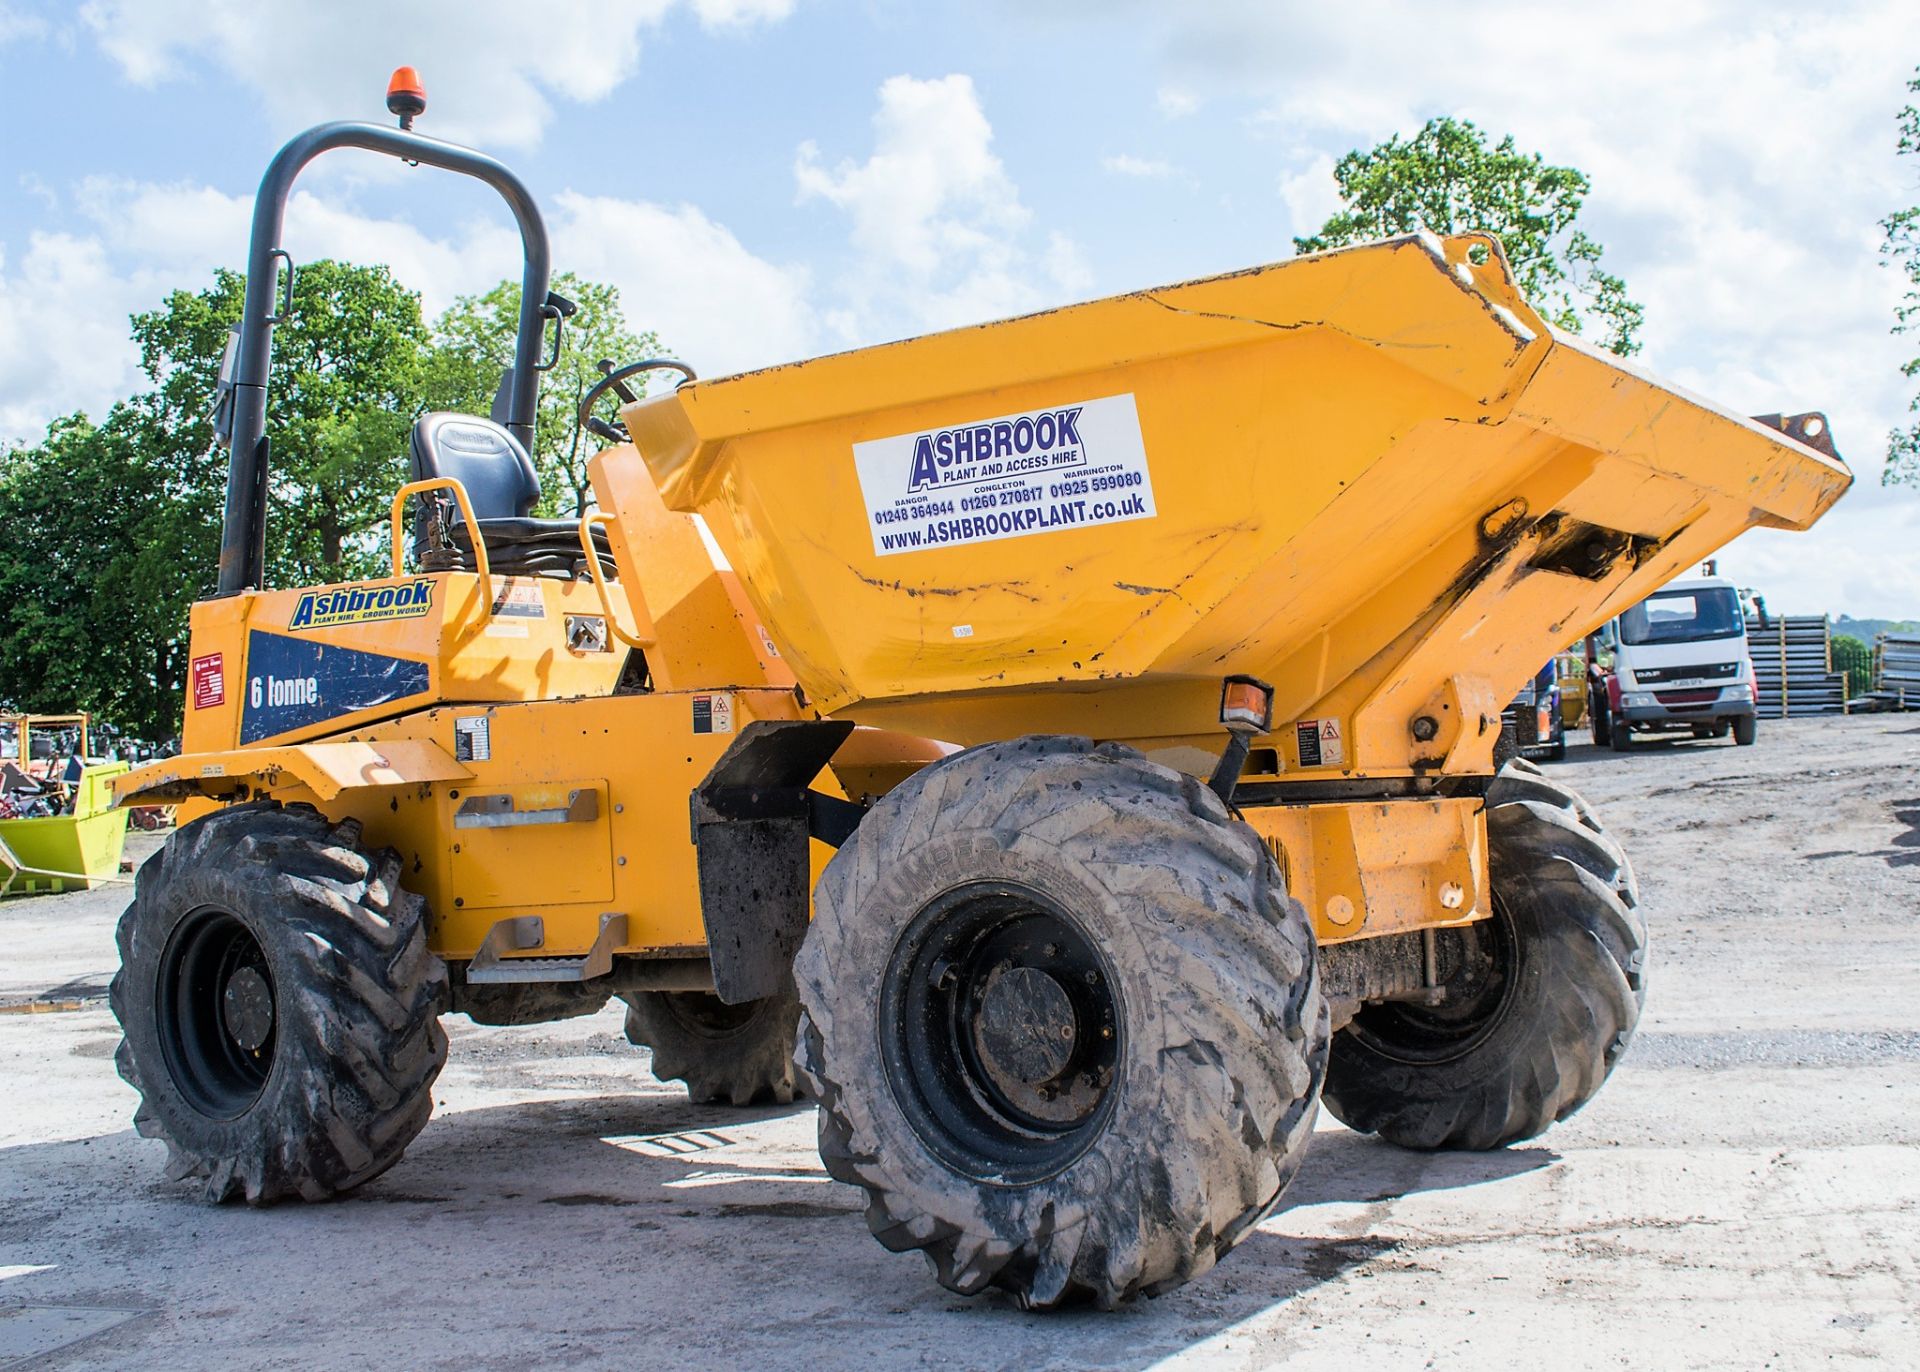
(615,380)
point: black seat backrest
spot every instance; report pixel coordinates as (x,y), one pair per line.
(480,455)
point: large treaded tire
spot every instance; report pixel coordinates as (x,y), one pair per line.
(1573,985)
(731,1054)
(346,1079)
(1217,1066)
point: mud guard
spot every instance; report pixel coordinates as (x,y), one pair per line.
(752,819)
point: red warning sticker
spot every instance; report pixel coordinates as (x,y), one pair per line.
(209,679)
(1319,743)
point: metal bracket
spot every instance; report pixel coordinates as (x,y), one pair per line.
(497,812)
(1810,429)
(528,931)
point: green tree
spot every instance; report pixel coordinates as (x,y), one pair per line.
(1448,179)
(113,529)
(1902,246)
(347,371)
(473,344)
(1855,658)
(109,542)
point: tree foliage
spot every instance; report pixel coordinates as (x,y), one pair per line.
(1448,179)
(112,530)
(348,366)
(1855,658)
(108,543)
(473,344)
(1902,247)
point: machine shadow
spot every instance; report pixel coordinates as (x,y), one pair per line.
(638,1154)
(671,1199)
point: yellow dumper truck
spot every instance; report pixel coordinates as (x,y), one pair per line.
(1083,767)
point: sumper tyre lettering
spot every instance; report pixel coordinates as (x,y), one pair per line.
(358,994)
(1213,1099)
(1576,984)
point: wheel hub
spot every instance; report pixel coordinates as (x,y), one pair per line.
(248,1008)
(1025,1030)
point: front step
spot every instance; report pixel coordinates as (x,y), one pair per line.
(491,965)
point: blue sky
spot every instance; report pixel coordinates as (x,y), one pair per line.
(766,179)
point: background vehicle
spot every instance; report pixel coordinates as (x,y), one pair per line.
(1533,719)
(1075,786)
(1676,662)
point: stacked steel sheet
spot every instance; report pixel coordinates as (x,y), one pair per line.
(1896,668)
(1793,667)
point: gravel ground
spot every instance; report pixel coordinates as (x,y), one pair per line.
(1744,1194)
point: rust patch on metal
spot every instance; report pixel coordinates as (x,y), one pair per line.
(882,584)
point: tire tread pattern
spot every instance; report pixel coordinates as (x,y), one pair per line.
(1243,1024)
(1570,887)
(359,1042)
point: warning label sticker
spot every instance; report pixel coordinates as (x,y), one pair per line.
(519,600)
(1073,466)
(713,714)
(472,738)
(1320,743)
(209,681)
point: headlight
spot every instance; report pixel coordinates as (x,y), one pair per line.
(1740,692)
(1636,700)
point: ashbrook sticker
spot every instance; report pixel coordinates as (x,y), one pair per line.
(361,605)
(1073,466)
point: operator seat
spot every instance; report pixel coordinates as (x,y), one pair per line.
(503,488)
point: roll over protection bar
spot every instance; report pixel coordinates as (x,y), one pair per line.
(244,530)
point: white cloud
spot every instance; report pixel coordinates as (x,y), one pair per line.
(937,225)
(15,25)
(64,304)
(714,303)
(1741,156)
(1146,168)
(492,68)
(736,13)
(1863,559)
(63,336)
(1309,194)
(1175,103)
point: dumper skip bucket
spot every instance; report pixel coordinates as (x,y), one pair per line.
(1373,477)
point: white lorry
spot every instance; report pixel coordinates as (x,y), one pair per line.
(1676,662)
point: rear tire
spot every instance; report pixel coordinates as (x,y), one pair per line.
(1532,1041)
(733,1054)
(1746,731)
(1100,1035)
(279,1003)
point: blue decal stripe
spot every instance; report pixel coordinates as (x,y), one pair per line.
(292,683)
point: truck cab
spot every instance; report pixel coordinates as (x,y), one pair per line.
(1675,663)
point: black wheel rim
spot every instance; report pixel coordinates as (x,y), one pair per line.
(1478,997)
(218,1013)
(1001,1033)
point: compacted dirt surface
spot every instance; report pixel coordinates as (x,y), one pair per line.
(1745,1193)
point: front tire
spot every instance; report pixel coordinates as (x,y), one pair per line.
(734,1054)
(1746,731)
(1619,734)
(1099,1036)
(279,1003)
(1531,1034)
